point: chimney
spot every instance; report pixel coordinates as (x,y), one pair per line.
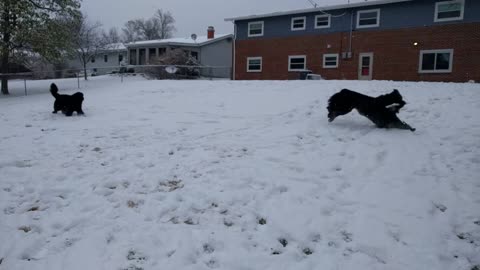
(210,32)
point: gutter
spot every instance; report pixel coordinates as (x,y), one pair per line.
(149,44)
(317,9)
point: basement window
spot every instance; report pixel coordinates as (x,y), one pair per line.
(254,64)
(368,18)
(322,21)
(298,23)
(436,61)
(297,62)
(449,10)
(255,29)
(330,60)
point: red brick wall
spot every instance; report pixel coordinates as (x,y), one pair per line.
(395,56)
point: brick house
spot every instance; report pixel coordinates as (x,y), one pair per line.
(413,40)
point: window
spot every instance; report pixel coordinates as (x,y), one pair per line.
(449,10)
(330,60)
(436,61)
(93,59)
(368,18)
(297,62)
(162,51)
(298,23)
(255,29)
(254,64)
(120,58)
(322,21)
(105,58)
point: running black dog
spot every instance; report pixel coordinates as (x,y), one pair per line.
(381,110)
(66,103)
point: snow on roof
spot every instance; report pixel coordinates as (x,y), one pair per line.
(115,47)
(324,8)
(187,41)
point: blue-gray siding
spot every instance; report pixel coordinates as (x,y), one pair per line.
(218,55)
(417,13)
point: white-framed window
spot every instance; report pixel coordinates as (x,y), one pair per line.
(254,64)
(449,10)
(298,23)
(322,21)
(255,29)
(330,60)
(436,61)
(297,62)
(368,18)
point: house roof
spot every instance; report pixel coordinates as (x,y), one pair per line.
(188,42)
(108,48)
(324,8)
(115,47)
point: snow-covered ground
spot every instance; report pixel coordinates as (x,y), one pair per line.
(238,175)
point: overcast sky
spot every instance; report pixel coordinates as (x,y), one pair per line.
(192,16)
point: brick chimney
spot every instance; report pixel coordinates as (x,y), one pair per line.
(210,32)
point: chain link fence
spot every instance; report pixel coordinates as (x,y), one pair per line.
(29,83)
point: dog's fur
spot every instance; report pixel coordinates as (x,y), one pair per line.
(381,110)
(66,103)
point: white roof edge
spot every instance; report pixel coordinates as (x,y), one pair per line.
(174,43)
(216,39)
(324,8)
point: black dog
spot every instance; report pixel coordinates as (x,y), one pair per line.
(66,103)
(381,110)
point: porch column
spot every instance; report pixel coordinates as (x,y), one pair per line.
(147,56)
(137,60)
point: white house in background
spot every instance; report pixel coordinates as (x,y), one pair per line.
(105,61)
(210,50)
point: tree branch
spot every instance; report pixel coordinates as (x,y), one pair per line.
(42,7)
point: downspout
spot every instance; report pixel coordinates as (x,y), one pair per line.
(351,33)
(234,56)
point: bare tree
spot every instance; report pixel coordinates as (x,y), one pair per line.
(131,31)
(166,22)
(111,36)
(88,42)
(150,28)
(160,26)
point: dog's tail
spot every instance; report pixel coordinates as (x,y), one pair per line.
(54,90)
